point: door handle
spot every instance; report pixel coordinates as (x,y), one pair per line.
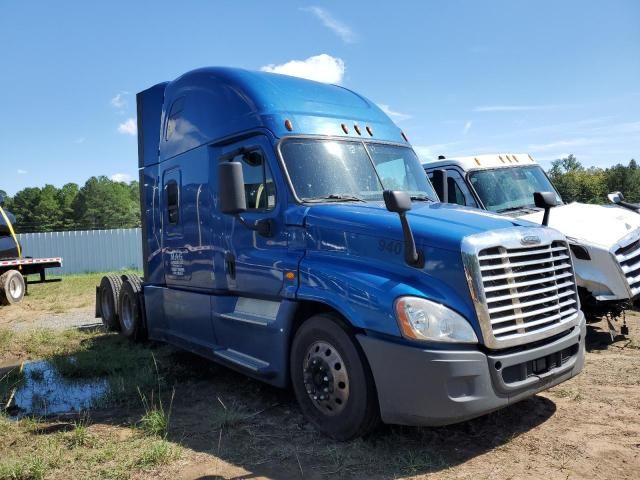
(230,264)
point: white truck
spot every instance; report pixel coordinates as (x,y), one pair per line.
(604,239)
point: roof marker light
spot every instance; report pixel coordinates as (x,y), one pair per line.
(404,136)
(357,129)
(345,129)
(501,159)
(477,161)
(515,158)
(530,158)
(288,125)
(369,131)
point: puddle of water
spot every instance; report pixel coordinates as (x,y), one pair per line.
(45,392)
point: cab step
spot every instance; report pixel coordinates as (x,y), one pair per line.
(245,361)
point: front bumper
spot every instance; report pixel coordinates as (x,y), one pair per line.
(438,387)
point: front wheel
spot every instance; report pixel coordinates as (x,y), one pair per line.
(332,380)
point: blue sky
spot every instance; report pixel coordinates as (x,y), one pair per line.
(460,77)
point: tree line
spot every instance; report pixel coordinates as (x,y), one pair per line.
(575,183)
(100,203)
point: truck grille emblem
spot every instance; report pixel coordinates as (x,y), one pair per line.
(530,240)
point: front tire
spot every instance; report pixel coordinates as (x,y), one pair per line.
(12,287)
(331,379)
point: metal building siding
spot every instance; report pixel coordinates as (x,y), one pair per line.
(88,250)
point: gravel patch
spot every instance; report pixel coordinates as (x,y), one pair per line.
(84,318)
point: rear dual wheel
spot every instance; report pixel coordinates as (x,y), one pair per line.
(110,287)
(332,380)
(131,309)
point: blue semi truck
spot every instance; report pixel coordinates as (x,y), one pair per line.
(289,232)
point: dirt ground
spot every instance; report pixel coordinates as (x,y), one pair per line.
(230,427)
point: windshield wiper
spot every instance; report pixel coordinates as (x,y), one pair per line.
(513,209)
(336,197)
(421,198)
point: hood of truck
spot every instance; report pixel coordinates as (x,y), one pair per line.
(601,225)
(436,225)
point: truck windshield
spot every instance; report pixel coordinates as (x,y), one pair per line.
(336,170)
(505,189)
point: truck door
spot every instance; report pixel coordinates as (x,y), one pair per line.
(255,264)
(187,266)
(175,270)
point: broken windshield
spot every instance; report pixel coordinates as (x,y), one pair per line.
(508,189)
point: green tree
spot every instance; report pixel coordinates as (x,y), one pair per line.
(103,203)
(24,207)
(65,198)
(579,184)
(46,213)
(625,179)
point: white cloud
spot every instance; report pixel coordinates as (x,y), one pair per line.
(22,172)
(119,101)
(129,127)
(321,68)
(399,116)
(467,127)
(79,140)
(336,26)
(517,108)
(121,177)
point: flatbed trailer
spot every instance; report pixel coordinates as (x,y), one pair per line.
(14,273)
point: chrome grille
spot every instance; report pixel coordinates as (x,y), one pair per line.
(527,289)
(628,257)
(522,293)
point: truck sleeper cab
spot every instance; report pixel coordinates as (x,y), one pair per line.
(269,246)
(604,240)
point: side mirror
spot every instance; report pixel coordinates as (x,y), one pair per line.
(397,201)
(618,199)
(231,188)
(615,197)
(440,184)
(1,200)
(400,203)
(545,200)
(233,200)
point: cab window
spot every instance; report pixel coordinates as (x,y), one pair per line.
(458,191)
(175,113)
(259,188)
(172,202)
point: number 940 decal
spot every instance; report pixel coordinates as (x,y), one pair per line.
(390,246)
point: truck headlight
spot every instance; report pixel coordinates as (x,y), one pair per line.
(422,319)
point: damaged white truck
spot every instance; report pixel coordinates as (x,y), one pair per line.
(604,239)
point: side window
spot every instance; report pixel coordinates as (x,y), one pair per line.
(172,119)
(458,191)
(455,194)
(173,202)
(259,188)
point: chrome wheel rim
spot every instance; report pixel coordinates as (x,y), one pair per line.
(326,378)
(105,305)
(15,287)
(127,314)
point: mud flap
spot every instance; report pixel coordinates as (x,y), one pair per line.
(98,310)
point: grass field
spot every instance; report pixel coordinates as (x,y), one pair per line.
(172,415)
